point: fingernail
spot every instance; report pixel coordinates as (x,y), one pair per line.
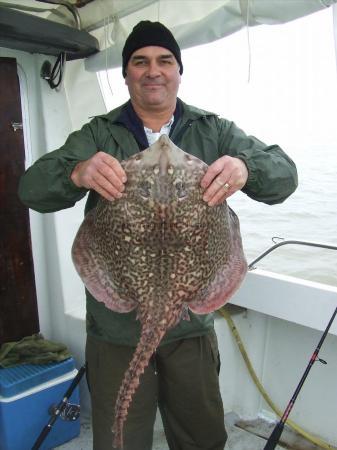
(124,179)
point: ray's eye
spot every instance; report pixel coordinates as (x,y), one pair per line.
(180,189)
(145,189)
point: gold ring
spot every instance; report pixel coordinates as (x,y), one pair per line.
(226,186)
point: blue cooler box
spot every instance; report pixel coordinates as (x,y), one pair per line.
(27,394)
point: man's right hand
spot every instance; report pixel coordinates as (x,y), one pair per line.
(102,173)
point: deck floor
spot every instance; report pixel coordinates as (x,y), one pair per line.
(238,439)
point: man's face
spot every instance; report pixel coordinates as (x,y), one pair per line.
(153,78)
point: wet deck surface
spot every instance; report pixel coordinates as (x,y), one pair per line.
(242,435)
(238,439)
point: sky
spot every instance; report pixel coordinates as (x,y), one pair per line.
(276,82)
(289,94)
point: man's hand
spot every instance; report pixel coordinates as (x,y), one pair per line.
(102,173)
(222,178)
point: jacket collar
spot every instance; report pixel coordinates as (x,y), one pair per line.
(183,111)
(126,117)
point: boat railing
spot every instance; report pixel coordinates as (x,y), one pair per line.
(283,242)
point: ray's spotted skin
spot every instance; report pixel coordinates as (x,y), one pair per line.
(161,250)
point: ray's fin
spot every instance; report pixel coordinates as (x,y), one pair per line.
(93,271)
(227,279)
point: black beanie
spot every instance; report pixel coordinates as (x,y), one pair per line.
(147,33)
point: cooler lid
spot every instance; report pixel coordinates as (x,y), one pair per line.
(17,379)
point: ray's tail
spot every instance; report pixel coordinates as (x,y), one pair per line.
(149,341)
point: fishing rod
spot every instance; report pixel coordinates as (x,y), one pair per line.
(276,433)
(59,409)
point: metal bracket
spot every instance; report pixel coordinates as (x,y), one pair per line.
(17,126)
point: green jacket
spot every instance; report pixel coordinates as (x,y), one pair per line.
(47,187)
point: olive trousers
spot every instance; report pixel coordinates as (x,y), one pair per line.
(182,380)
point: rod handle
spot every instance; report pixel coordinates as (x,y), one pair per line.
(274,437)
(44,433)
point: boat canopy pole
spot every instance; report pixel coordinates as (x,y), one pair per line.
(251,266)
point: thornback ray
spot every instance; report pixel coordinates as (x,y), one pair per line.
(161,250)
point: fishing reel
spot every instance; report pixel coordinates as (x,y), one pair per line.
(70,412)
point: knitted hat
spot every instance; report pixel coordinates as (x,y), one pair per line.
(145,34)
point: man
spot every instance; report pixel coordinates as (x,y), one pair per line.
(182,377)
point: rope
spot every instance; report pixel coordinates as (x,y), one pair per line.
(293,425)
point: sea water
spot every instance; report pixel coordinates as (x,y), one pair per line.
(310,214)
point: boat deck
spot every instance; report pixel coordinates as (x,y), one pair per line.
(242,435)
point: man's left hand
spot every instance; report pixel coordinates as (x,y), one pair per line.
(222,178)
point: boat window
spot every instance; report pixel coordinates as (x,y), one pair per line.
(277,83)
